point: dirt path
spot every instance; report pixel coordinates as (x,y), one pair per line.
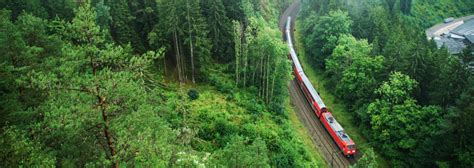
(319,136)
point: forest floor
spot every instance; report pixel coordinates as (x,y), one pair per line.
(337,108)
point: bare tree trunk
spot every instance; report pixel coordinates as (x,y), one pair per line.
(245,53)
(268,78)
(164,65)
(182,61)
(191,43)
(237,66)
(254,72)
(273,80)
(175,39)
(238,51)
(262,73)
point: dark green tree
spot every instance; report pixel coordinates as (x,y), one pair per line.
(122,25)
(220,29)
(18,149)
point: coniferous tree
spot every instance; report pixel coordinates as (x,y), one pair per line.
(97,102)
(122,25)
(220,29)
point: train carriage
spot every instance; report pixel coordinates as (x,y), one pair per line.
(335,130)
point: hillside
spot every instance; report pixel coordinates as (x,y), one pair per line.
(113,83)
(208,83)
(410,100)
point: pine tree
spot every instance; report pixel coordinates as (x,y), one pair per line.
(220,29)
(122,25)
(98,111)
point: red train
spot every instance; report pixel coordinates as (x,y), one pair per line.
(343,141)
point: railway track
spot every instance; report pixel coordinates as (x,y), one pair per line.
(318,134)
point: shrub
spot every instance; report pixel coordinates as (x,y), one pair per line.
(193,94)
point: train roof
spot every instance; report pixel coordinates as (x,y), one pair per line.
(288,38)
(313,91)
(288,21)
(295,60)
(337,128)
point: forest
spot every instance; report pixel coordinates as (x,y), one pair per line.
(108,83)
(412,101)
(204,83)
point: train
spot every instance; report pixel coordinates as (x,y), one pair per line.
(335,130)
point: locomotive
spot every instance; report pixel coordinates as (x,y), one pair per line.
(343,141)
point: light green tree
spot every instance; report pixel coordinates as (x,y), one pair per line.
(322,33)
(353,70)
(398,124)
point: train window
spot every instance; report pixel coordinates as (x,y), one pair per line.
(350,147)
(344,135)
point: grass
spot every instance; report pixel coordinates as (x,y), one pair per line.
(343,116)
(213,101)
(302,132)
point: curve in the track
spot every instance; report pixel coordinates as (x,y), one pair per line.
(319,136)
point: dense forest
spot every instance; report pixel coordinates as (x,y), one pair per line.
(204,83)
(413,101)
(181,83)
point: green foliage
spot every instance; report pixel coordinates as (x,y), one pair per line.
(434,80)
(16,148)
(450,80)
(85,89)
(353,70)
(184,32)
(193,94)
(17,7)
(398,124)
(426,13)
(242,132)
(220,29)
(368,160)
(24,44)
(102,15)
(323,32)
(96,102)
(239,152)
(121,27)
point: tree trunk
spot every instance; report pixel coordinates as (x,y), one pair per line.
(182,63)
(191,43)
(273,80)
(245,52)
(175,39)
(255,71)
(103,108)
(108,135)
(164,65)
(268,78)
(262,75)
